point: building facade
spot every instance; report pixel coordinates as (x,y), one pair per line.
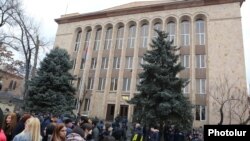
(107,48)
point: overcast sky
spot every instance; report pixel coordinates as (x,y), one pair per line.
(45,11)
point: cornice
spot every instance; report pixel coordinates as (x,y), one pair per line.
(142,9)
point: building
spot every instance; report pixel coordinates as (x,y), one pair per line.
(107,47)
(11,86)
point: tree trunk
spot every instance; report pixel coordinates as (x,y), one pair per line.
(33,71)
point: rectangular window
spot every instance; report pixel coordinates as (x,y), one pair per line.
(119,38)
(116,63)
(140,61)
(74,64)
(113,85)
(78,83)
(200,61)
(101,85)
(131,36)
(97,39)
(185,61)
(86,104)
(201,86)
(108,39)
(186,89)
(90,83)
(78,40)
(126,84)
(82,63)
(200,112)
(105,61)
(171,28)
(185,33)
(157,26)
(144,36)
(200,32)
(129,62)
(93,63)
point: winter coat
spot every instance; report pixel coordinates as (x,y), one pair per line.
(74,137)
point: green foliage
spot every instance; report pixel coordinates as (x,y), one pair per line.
(51,90)
(161,98)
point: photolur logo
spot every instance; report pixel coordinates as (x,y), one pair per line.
(228,132)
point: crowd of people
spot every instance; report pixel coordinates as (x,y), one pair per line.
(30,127)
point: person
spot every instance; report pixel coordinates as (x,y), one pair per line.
(77,134)
(96,131)
(69,125)
(9,125)
(21,124)
(87,129)
(31,131)
(59,133)
(137,133)
(2,135)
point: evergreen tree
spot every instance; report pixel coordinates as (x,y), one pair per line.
(161,99)
(51,90)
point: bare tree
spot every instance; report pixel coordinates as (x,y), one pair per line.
(25,38)
(7,9)
(230,99)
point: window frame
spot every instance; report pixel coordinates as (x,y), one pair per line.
(185,33)
(108,38)
(119,38)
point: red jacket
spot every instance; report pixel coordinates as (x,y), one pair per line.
(2,136)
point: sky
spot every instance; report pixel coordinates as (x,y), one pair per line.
(45,11)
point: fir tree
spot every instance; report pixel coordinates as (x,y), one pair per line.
(160,98)
(51,90)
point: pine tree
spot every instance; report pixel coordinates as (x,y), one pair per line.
(160,99)
(51,90)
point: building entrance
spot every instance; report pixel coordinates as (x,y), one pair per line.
(110,112)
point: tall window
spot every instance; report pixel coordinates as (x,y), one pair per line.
(116,63)
(185,33)
(171,29)
(131,36)
(185,61)
(186,89)
(90,83)
(140,61)
(87,39)
(78,40)
(82,63)
(157,26)
(144,36)
(101,85)
(129,62)
(86,45)
(93,63)
(200,61)
(113,85)
(74,64)
(201,86)
(97,39)
(119,37)
(108,39)
(126,84)
(200,32)
(105,61)
(200,112)
(86,104)
(11,85)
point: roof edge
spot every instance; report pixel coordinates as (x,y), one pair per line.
(141,9)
